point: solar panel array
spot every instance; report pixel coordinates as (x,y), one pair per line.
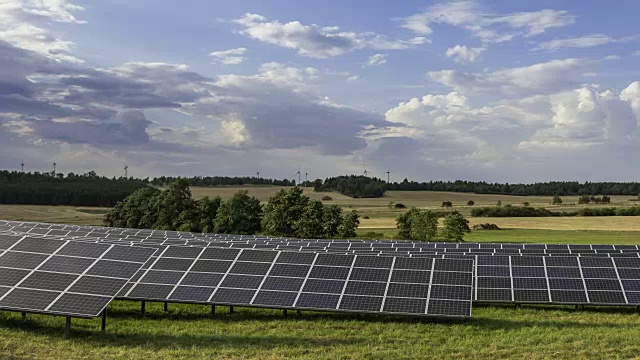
(559,280)
(67,278)
(512,273)
(329,282)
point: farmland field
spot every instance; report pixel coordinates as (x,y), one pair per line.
(188,331)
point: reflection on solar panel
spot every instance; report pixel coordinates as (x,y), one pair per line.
(61,277)
(558,280)
(330,282)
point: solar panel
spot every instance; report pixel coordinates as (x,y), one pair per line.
(352,283)
(562,280)
(57,277)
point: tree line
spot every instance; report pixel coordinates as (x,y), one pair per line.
(288,213)
(562,188)
(526,211)
(353,186)
(87,189)
(223,181)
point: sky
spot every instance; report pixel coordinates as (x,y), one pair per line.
(500,91)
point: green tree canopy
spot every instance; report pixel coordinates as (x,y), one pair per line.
(455,226)
(242,214)
(283,211)
(349,225)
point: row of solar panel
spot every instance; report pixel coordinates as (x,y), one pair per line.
(117,233)
(79,279)
(306,281)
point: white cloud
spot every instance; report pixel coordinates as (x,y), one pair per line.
(377,59)
(585,41)
(353,78)
(316,41)
(636,53)
(538,78)
(18,26)
(484,24)
(229,57)
(612,57)
(462,54)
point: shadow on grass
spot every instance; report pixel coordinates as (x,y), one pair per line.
(88,332)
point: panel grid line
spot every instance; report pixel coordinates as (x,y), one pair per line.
(225,275)
(386,289)
(433,266)
(79,277)
(584,283)
(185,273)
(353,262)
(32,271)
(306,278)
(135,283)
(265,277)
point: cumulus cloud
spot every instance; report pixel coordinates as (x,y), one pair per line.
(488,26)
(545,77)
(229,57)
(377,59)
(462,54)
(316,41)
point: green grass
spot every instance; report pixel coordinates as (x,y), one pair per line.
(187,332)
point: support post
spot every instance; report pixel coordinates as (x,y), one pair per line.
(213,310)
(142,307)
(103,327)
(166,306)
(24,316)
(284,312)
(67,331)
(299,312)
(230,309)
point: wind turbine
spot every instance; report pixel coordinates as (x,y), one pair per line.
(258,173)
(126,168)
(54,169)
(306,178)
(365,170)
(298,173)
(22,166)
(388,177)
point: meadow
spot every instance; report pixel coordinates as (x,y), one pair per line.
(189,332)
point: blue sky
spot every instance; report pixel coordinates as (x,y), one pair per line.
(498,91)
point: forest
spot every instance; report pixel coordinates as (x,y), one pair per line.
(58,189)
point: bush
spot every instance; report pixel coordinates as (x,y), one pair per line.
(526,203)
(327,198)
(470,203)
(556,200)
(499,203)
(446,204)
(366,217)
(399,206)
(486,226)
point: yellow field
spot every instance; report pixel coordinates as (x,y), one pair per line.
(381,215)
(53,214)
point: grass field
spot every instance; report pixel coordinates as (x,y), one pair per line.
(187,332)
